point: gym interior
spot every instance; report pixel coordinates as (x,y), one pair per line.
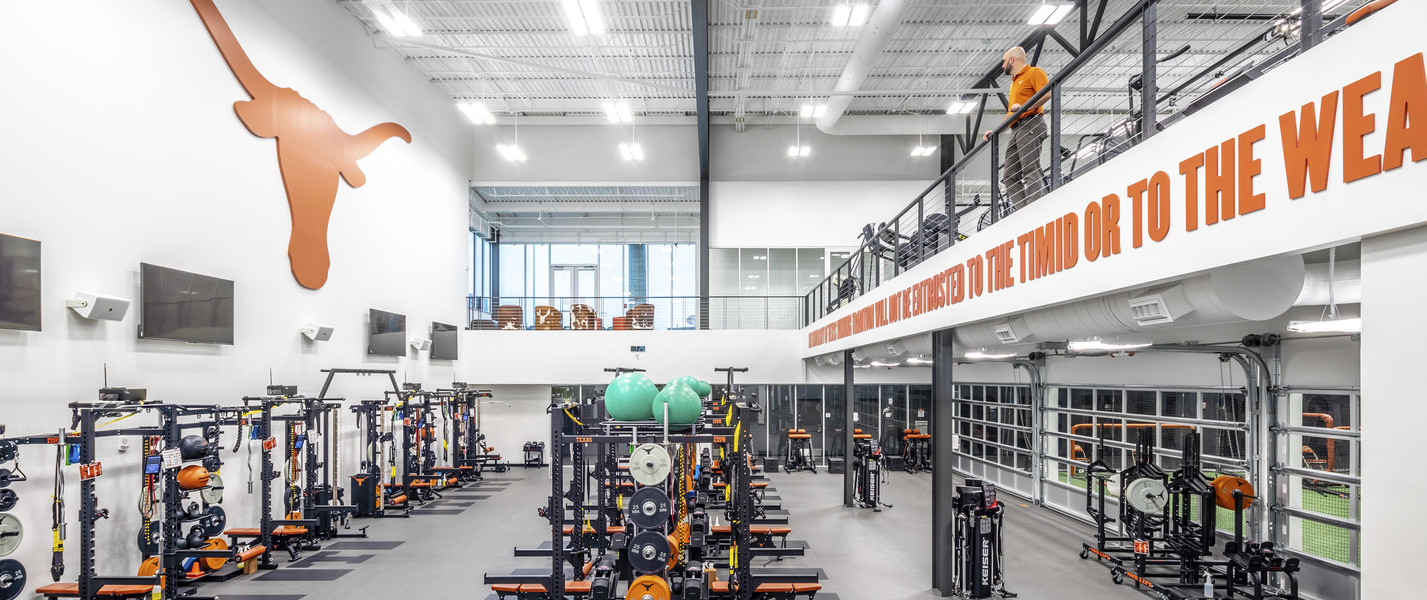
(711,299)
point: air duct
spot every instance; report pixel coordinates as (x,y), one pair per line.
(1254,292)
(1347,284)
(885,20)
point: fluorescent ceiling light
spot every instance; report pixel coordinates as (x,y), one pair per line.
(797,151)
(1096,343)
(878,363)
(858,16)
(511,152)
(1329,326)
(477,113)
(584,16)
(923,150)
(618,112)
(984,354)
(631,152)
(1050,14)
(845,15)
(814,111)
(919,361)
(960,107)
(394,21)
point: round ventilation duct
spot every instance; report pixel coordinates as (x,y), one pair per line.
(1253,292)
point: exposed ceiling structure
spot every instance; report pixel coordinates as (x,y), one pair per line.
(770,57)
(588,214)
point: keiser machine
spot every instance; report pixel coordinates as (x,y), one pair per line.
(978,556)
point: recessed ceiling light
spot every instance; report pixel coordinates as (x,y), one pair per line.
(1050,14)
(618,112)
(511,152)
(584,16)
(849,15)
(923,151)
(631,152)
(476,112)
(960,107)
(798,151)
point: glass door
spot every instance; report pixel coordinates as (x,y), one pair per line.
(573,284)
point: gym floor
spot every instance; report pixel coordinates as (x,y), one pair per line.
(444,548)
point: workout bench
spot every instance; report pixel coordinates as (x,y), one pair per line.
(71,590)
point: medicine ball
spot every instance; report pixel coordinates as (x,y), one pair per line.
(192,447)
(192,477)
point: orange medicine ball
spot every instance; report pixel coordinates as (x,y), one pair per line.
(1224,487)
(193,477)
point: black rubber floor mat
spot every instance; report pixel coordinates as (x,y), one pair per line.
(303,575)
(438,511)
(360,545)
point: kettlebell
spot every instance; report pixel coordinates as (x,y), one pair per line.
(195,537)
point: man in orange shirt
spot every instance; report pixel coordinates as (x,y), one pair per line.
(1022,181)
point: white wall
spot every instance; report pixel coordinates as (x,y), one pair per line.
(580,357)
(141,159)
(1392,412)
(802,214)
(507,428)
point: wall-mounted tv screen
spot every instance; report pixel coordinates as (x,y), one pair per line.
(19,283)
(185,307)
(388,334)
(443,340)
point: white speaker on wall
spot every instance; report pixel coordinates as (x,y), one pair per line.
(93,306)
(421,344)
(317,332)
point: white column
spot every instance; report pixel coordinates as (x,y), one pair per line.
(1393,414)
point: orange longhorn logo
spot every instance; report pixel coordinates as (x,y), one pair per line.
(312,151)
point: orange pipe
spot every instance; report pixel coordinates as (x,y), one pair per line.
(1332,443)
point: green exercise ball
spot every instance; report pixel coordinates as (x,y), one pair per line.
(703,388)
(683,403)
(629,397)
(689,380)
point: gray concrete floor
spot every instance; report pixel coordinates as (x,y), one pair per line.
(441,551)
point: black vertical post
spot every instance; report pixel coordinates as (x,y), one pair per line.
(849,400)
(265,518)
(1311,23)
(943,457)
(87,505)
(1056,176)
(172,569)
(1149,54)
(699,11)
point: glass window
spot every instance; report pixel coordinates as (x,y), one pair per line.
(810,415)
(780,418)
(866,412)
(894,418)
(812,268)
(919,407)
(753,271)
(782,266)
(833,405)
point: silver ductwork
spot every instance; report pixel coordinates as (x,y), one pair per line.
(876,33)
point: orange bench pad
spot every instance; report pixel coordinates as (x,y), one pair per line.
(72,589)
(570,529)
(721,587)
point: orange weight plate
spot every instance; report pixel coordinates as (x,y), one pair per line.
(213,564)
(648,587)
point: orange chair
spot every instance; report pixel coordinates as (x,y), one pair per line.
(549,318)
(583,318)
(641,316)
(509,316)
(483,324)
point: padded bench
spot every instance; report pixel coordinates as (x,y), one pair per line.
(771,591)
(71,590)
(536,590)
(609,530)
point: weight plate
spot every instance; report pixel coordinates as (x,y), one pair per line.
(8,498)
(5,475)
(215,522)
(12,579)
(649,508)
(649,464)
(149,540)
(8,450)
(11,532)
(1147,495)
(213,494)
(648,552)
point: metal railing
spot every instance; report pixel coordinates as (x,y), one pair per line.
(1087,126)
(634,313)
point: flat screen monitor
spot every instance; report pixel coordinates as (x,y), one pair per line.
(388,334)
(19,283)
(185,307)
(443,341)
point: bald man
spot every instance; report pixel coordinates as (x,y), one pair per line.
(1021,179)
